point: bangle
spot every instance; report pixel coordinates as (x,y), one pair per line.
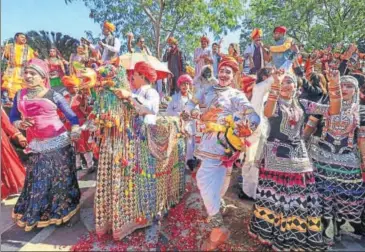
(274,92)
(273,97)
(311,124)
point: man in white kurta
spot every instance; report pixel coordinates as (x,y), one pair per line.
(177,105)
(228,118)
(202,56)
(109,47)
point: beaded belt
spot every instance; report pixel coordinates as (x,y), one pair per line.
(48,145)
(344,159)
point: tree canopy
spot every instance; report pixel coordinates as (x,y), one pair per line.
(314,23)
(156,20)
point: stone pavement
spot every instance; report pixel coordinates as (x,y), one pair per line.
(183,228)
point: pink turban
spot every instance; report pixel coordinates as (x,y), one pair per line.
(185,78)
(41,67)
(146,70)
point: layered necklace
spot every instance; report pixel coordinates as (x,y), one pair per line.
(33,92)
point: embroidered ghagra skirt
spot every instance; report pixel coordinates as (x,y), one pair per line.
(287,211)
(51,194)
(342,195)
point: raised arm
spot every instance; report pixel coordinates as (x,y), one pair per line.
(270,106)
(282,48)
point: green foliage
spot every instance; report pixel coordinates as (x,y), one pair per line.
(156,20)
(315,23)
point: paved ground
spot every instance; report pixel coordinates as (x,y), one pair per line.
(184,227)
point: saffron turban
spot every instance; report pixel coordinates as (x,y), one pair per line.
(109,26)
(247,83)
(230,62)
(41,67)
(146,70)
(185,78)
(280,29)
(172,41)
(256,33)
(204,38)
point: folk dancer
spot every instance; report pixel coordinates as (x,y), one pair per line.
(51,194)
(18,54)
(229,117)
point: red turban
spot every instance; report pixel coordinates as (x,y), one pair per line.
(185,78)
(230,62)
(204,38)
(280,29)
(146,70)
(247,83)
(256,33)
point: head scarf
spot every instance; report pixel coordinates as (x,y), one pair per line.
(256,33)
(280,29)
(204,38)
(109,26)
(355,83)
(230,62)
(247,83)
(146,70)
(292,77)
(172,41)
(41,67)
(185,78)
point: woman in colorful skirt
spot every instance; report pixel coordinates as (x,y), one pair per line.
(334,149)
(56,69)
(12,169)
(287,211)
(51,194)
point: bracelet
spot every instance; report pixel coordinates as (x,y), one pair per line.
(17,124)
(272,97)
(311,124)
(274,92)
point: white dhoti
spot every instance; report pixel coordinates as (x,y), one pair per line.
(210,178)
(190,147)
(250,171)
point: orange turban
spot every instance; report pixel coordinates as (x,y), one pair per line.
(230,62)
(109,26)
(256,33)
(146,70)
(206,39)
(172,40)
(280,29)
(247,83)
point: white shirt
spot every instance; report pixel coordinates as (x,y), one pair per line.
(146,101)
(107,49)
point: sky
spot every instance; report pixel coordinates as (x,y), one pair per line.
(54,15)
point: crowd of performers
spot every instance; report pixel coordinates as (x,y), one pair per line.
(295,120)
